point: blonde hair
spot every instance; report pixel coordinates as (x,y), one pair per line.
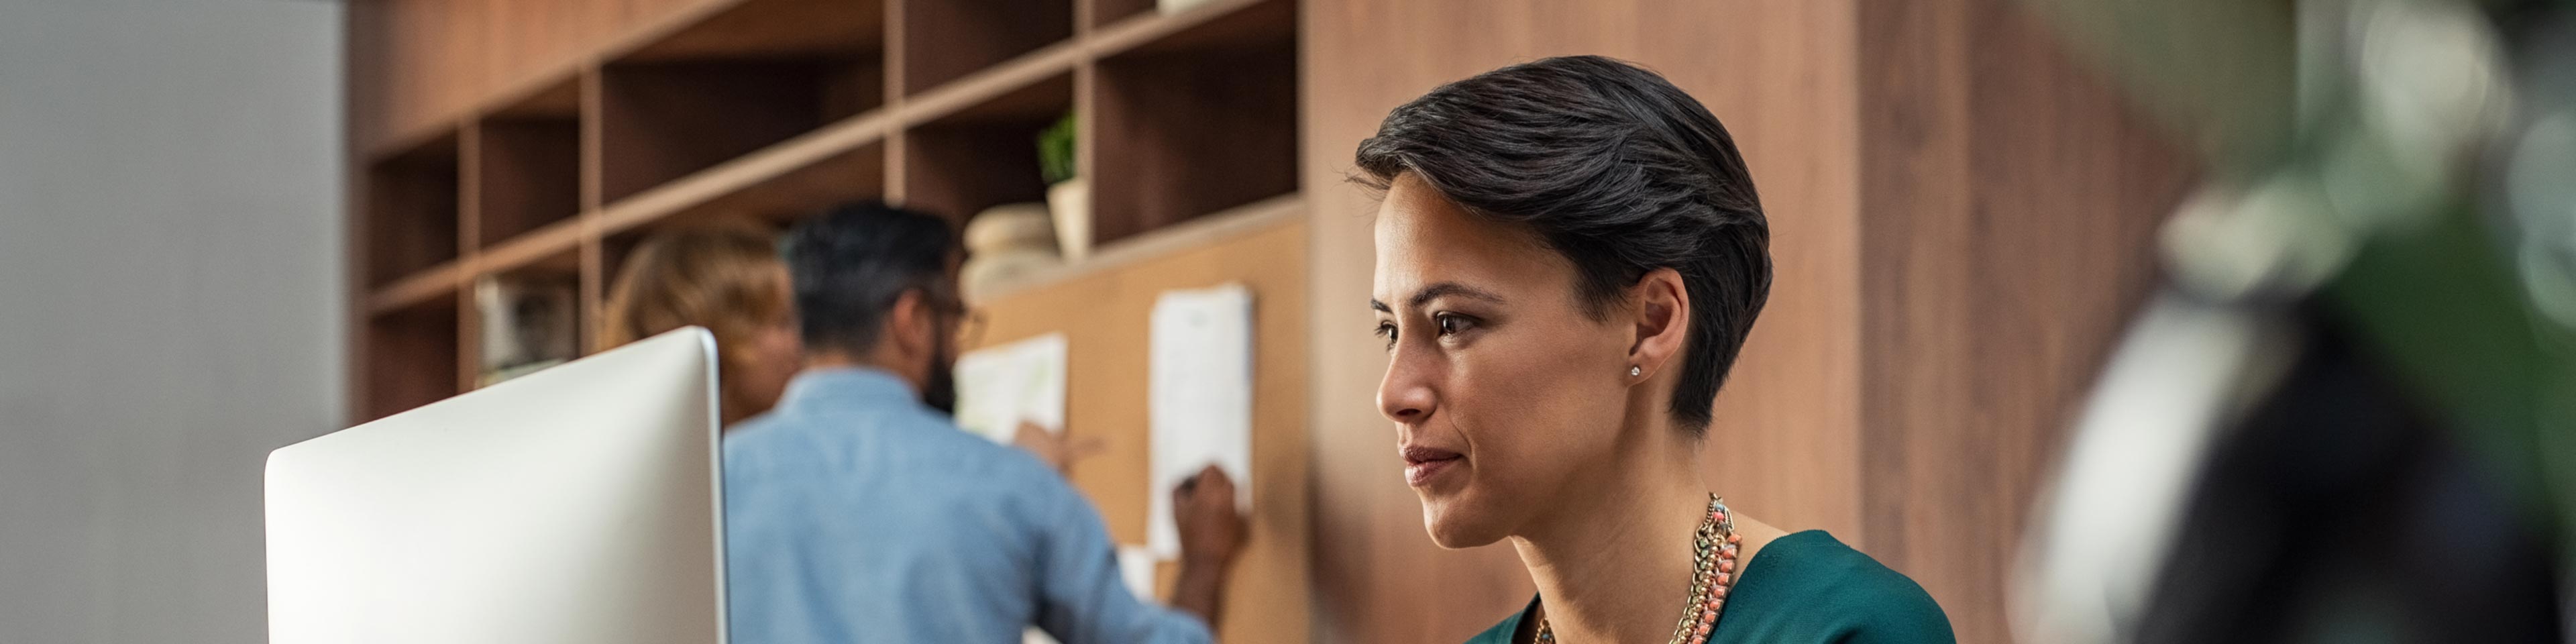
(728,279)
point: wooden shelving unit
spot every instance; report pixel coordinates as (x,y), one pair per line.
(768,111)
(771,110)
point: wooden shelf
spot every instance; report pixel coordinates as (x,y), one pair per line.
(547,292)
(762,29)
(984,154)
(538,245)
(984,87)
(797,173)
(1197,233)
(1200,119)
(412,356)
(773,110)
(529,163)
(679,114)
(945,41)
(1213,24)
(411,201)
(762,72)
(439,281)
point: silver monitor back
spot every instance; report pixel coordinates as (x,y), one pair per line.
(576,504)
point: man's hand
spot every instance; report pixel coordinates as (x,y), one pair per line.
(1057,451)
(1203,507)
(1212,533)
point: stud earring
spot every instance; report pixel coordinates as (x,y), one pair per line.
(1634,371)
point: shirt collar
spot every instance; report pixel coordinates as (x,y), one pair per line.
(841,386)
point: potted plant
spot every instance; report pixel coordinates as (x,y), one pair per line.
(1068,195)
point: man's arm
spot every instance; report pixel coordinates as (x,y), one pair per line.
(1084,600)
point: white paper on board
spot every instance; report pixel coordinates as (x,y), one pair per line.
(999,386)
(1201,405)
(1136,567)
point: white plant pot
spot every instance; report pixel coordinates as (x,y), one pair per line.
(1069,202)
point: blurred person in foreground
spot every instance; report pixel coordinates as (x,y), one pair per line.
(1569,255)
(857,511)
(727,279)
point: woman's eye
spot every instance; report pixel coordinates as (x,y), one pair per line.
(1387,330)
(1452,324)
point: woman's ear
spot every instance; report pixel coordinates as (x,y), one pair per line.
(1660,309)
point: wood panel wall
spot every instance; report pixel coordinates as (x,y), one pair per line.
(2010,201)
(1960,218)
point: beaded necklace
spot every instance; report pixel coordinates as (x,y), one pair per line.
(1713,551)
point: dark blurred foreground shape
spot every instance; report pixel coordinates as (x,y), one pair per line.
(2366,346)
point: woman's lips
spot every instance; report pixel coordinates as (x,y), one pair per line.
(1423,463)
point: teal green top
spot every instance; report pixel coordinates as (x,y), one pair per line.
(1808,588)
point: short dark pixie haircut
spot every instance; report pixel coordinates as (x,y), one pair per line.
(849,265)
(1616,169)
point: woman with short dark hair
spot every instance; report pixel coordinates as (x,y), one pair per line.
(1570,253)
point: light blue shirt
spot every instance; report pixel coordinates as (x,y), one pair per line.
(854,513)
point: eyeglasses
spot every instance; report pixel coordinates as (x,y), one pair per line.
(970,328)
(970,321)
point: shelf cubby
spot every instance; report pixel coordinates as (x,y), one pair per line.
(984,154)
(946,40)
(756,74)
(412,199)
(412,356)
(1196,121)
(529,156)
(542,298)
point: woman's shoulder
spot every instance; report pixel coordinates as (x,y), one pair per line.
(1808,586)
(1502,633)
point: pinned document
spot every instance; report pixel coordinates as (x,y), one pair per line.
(1000,386)
(1201,405)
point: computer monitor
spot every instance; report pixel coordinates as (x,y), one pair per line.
(575,504)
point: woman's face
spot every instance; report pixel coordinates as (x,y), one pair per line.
(1503,391)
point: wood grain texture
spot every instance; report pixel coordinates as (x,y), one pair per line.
(946,40)
(531,175)
(413,209)
(663,121)
(416,64)
(412,356)
(1780,76)
(1202,125)
(1104,315)
(2010,201)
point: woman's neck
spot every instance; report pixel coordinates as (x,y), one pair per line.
(1619,569)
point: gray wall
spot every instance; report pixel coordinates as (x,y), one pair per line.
(169,304)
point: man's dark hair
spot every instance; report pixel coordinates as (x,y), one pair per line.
(851,264)
(1616,169)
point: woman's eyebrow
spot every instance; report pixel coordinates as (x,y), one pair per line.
(1450,289)
(1437,291)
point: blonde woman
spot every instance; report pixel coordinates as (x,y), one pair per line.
(727,279)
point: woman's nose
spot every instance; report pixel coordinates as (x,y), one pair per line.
(1405,395)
